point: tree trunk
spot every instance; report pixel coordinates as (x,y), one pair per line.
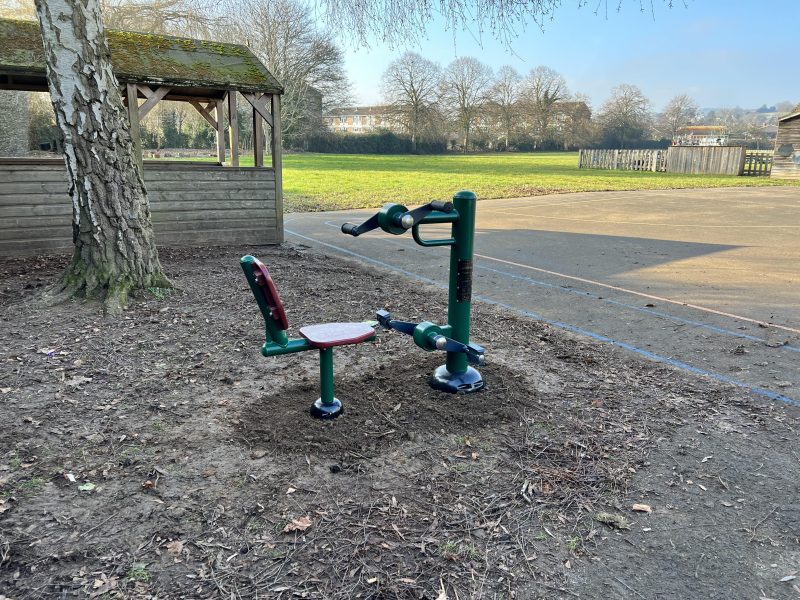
(115,249)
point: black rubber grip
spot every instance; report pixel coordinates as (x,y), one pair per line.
(350,229)
(442,206)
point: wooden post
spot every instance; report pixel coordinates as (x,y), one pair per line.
(277,161)
(233,120)
(220,132)
(133,118)
(258,139)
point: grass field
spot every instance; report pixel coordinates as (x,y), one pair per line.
(314,182)
(333,181)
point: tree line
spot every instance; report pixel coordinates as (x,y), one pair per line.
(467,106)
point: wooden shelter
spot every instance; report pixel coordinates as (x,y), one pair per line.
(786,159)
(191,203)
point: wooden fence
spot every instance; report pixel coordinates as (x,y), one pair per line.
(624,160)
(706,160)
(758,163)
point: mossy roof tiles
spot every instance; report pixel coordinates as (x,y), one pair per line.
(148,58)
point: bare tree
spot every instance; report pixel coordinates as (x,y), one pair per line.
(679,112)
(544,88)
(625,117)
(505,96)
(192,18)
(411,87)
(465,91)
(115,250)
(397,21)
(306,60)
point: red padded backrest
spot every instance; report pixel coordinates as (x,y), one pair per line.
(270,292)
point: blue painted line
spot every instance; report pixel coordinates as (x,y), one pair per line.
(656,357)
(647,311)
(572,328)
(585,294)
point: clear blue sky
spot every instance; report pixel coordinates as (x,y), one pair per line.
(721,52)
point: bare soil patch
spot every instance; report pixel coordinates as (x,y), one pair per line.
(159,455)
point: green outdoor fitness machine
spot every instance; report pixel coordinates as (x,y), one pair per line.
(323,337)
(455,375)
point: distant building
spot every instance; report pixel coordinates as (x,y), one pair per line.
(786,160)
(360,119)
(571,110)
(701,135)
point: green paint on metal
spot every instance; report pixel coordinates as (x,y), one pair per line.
(424,333)
(459,298)
(273,349)
(389,216)
(326,376)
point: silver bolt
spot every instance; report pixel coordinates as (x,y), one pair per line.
(407,221)
(441,342)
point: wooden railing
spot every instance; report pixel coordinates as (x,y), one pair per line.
(624,160)
(758,163)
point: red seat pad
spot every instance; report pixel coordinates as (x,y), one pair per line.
(327,335)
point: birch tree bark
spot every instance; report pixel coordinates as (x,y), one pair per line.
(115,250)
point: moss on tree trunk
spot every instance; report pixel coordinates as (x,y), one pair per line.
(115,249)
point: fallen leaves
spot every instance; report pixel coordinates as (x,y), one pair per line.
(175,547)
(103,585)
(300,524)
(87,487)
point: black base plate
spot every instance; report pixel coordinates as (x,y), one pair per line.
(457,383)
(326,411)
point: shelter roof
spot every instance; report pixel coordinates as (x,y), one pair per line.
(144,58)
(789,117)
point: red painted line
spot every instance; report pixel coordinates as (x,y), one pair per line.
(634,292)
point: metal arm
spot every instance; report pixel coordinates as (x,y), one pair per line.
(397,219)
(414,217)
(357,230)
(429,337)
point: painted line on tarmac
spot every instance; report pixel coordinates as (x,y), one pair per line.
(584,294)
(641,309)
(650,224)
(635,293)
(566,326)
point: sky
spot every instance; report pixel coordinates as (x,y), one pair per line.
(723,53)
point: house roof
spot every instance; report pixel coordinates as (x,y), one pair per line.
(358,111)
(789,117)
(144,58)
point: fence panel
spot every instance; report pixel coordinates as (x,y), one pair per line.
(623,160)
(758,163)
(706,160)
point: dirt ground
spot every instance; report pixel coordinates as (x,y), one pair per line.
(159,455)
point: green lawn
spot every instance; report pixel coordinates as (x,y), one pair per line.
(314,182)
(334,181)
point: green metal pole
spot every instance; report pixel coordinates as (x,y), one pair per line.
(459,300)
(326,376)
